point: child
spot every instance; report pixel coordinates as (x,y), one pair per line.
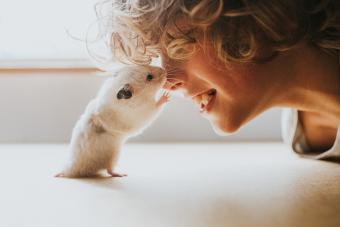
(236,59)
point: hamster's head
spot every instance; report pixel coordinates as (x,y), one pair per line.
(132,88)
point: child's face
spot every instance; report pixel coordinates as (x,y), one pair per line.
(243,90)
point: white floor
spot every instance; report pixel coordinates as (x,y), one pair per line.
(172,185)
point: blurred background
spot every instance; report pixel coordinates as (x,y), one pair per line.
(47,79)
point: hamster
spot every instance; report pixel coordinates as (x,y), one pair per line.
(124,106)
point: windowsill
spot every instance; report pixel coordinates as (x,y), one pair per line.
(54,66)
(45,63)
(183,184)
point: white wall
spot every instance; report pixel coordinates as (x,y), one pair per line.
(44,108)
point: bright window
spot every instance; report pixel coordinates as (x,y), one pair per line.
(39,29)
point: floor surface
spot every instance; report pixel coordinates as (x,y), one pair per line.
(171,185)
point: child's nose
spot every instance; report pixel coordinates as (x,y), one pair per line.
(169,85)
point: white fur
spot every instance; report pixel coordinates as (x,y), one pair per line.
(108,122)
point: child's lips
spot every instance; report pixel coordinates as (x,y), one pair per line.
(208,107)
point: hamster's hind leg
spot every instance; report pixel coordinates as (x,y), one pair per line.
(59,175)
(114,174)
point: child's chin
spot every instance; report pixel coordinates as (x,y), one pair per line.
(220,130)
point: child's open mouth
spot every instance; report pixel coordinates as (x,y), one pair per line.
(205,100)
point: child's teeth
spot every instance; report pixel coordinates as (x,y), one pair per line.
(205,99)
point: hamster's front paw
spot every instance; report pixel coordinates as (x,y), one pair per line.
(163,99)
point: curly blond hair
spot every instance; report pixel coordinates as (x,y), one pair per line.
(138,30)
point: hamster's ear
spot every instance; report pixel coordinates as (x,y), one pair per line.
(125,92)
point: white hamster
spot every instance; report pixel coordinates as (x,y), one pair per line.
(124,106)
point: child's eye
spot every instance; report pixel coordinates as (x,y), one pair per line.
(149,77)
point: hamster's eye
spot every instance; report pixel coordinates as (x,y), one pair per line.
(149,77)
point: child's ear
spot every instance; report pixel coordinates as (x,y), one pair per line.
(96,124)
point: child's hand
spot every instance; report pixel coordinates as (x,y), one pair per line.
(163,99)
